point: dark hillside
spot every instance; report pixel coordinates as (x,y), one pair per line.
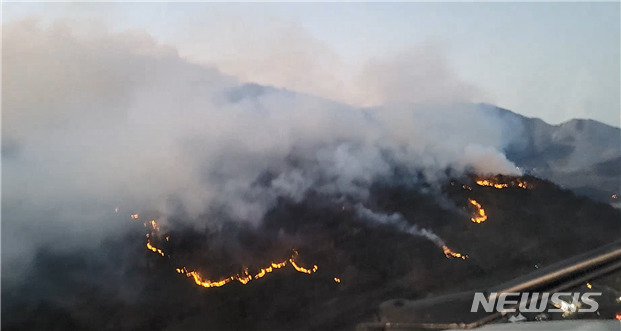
(122,285)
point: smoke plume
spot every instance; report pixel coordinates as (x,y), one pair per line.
(399,222)
(99,125)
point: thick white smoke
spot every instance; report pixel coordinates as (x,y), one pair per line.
(399,222)
(94,121)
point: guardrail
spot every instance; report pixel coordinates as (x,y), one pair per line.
(556,277)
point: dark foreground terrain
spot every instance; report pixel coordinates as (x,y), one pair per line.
(123,286)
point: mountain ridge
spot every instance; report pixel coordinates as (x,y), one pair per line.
(567,152)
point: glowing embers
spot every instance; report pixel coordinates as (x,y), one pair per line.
(199,280)
(492,183)
(479,215)
(154,249)
(155,228)
(450,254)
(246,277)
(299,268)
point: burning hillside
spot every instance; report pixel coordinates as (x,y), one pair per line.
(360,263)
(245,276)
(142,190)
(242,277)
(486,182)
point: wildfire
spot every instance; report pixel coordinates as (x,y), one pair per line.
(299,268)
(491,183)
(134,216)
(450,254)
(486,182)
(246,277)
(480,215)
(337,280)
(243,277)
(155,230)
(154,249)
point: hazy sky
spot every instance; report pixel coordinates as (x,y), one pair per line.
(555,61)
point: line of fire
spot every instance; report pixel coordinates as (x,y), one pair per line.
(245,276)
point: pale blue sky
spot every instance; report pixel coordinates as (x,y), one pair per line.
(550,60)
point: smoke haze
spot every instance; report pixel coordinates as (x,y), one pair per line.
(94,120)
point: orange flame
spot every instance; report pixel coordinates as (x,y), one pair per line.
(156,229)
(480,215)
(245,277)
(486,182)
(154,249)
(299,268)
(337,280)
(495,184)
(451,254)
(154,225)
